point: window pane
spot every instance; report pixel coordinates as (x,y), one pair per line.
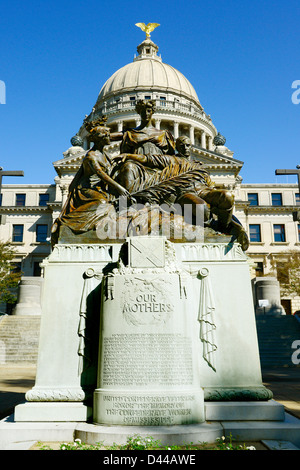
(279,233)
(253,199)
(20,199)
(254,233)
(16,266)
(37,269)
(44,198)
(297,196)
(17,233)
(41,233)
(276,199)
(259,269)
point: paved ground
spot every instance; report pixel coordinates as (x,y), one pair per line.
(15,380)
(285,385)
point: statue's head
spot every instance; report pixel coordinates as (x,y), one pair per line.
(183,146)
(100,134)
(98,131)
(145,108)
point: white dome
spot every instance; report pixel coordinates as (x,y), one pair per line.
(148,72)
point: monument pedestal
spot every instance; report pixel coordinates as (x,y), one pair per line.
(206,344)
(148,364)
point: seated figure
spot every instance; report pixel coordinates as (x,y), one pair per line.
(153,174)
(92,186)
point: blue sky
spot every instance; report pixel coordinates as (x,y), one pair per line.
(241,57)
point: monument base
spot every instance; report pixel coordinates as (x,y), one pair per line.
(191,312)
(52,412)
(251,421)
(148,409)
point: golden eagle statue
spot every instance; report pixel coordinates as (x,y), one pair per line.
(147,28)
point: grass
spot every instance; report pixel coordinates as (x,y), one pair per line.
(137,442)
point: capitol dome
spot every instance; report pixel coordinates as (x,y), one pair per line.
(178,108)
(148,72)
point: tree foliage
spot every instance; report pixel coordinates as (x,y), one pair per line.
(288,273)
(9,279)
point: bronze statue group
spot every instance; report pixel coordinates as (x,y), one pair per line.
(151,169)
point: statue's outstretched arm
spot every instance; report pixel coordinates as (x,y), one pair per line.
(97,169)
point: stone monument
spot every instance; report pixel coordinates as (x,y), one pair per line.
(145,289)
(147,309)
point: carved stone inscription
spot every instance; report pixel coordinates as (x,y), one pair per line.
(148,410)
(146,301)
(147,359)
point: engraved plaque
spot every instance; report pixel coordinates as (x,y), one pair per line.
(147,369)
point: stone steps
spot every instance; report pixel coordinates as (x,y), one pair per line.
(276,335)
(19,339)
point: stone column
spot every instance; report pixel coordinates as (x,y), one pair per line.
(176,129)
(192,135)
(64,191)
(210,143)
(29,297)
(203,139)
(120,126)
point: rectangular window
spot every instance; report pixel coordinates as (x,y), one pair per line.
(44,198)
(41,233)
(298,232)
(253,199)
(162,100)
(1,199)
(297,197)
(279,233)
(20,199)
(276,199)
(17,235)
(16,266)
(259,269)
(282,273)
(255,235)
(132,100)
(147,97)
(37,271)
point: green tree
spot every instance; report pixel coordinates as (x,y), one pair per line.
(9,278)
(288,273)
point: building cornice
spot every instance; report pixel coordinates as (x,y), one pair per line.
(24,209)
(273,209)
(268,185)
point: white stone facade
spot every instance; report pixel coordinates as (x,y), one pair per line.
(266,211)
(26,219)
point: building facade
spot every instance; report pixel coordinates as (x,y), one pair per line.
(265,210)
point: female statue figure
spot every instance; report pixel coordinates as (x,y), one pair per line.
(92,186)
